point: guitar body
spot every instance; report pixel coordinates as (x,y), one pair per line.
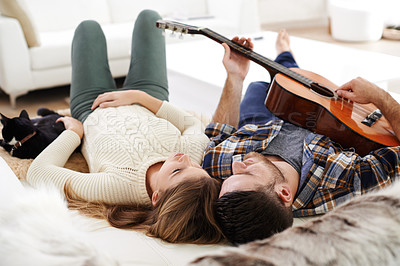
(336,118)
(310,101)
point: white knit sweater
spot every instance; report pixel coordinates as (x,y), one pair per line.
(119,145)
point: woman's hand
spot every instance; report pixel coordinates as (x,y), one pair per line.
(116,98)
(73,124)
(127,97)
(235,63)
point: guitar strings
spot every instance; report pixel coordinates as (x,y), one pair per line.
(280,68)
(257,58)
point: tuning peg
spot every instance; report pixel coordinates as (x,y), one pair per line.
(163,32)
(181,36)
(172,34)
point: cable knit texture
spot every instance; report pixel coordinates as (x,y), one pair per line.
(119,145)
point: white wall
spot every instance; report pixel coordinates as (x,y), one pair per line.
(391,11)
(303,12)
(291,11)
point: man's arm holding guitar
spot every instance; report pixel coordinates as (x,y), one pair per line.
(362,91)
(237,67)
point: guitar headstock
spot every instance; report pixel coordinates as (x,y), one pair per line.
(178,27)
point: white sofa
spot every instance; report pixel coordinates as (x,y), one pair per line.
(42,60)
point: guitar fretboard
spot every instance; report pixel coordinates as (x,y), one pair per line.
(272,66)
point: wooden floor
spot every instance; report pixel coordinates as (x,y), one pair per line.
(57,98)
(386,46)
(54,98)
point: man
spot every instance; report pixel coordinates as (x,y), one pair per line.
(273,170)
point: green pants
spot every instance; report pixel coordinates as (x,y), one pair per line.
(91,74)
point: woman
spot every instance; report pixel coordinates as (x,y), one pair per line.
(143,153)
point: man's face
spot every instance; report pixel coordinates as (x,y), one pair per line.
(253,172)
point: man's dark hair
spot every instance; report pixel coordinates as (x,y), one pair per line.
(245,216)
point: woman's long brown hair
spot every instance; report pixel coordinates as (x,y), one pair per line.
(183,214)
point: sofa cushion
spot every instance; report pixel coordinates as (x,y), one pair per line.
(17,9)
(66,14)
(55,50)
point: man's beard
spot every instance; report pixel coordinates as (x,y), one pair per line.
(279,177)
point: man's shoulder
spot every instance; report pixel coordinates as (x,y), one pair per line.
(213,129)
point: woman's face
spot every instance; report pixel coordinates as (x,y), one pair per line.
(177,168)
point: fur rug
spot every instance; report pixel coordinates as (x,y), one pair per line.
(37,229)
(364,231)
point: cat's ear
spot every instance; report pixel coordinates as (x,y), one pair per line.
(4,119)
(24,114)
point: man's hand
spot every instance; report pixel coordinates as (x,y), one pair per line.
(362,91)
(234,63)
(73,124)
(237,67)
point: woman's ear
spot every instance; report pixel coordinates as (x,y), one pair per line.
(285,195)
(154,198)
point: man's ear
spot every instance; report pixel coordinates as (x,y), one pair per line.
(285,194)
(154,198)
(238,167)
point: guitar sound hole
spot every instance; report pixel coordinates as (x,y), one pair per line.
(323,91)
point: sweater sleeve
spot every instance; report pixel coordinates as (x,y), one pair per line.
(193,140)
(48,169)
(185,122)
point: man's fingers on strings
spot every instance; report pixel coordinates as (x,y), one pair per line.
(246,42)
(345,87)
(249,44)
(348,94)
(235,39)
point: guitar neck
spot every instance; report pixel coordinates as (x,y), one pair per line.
(272,67)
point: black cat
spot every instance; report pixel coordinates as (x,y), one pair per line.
(25,138)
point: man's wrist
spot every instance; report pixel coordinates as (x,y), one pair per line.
(382,99)
(235,79)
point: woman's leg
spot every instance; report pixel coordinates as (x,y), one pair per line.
(148,68)
(91,74)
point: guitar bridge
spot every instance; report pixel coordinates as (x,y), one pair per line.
(372,118)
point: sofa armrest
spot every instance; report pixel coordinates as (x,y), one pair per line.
(15,69)
(242,14)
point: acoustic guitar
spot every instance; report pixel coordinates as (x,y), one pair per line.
(309,100)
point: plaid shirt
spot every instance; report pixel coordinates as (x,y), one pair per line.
(329,175)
